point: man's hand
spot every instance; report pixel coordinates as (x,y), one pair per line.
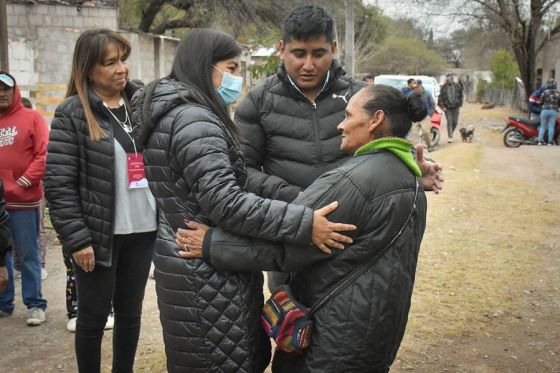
(325,232)
(85,258)
(190,240)
(3,279)
(432,176)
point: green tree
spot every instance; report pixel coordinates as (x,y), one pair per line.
(504,69)
(399,55)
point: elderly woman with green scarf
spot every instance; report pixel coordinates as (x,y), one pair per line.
(360,328)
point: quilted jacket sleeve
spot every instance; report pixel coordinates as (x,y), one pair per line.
(230,252)
(202,153)
(254,148)
(61,185)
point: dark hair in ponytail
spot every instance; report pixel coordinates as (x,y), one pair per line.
(192,65)
(401,111)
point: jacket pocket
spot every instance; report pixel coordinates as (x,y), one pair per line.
(12,191)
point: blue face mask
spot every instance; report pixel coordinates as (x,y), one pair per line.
(230,89)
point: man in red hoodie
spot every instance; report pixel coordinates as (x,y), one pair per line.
(23,147)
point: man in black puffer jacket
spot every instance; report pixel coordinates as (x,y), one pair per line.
(289,121)
(361,327)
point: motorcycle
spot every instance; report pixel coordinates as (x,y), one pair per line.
(524,131)
(434,130)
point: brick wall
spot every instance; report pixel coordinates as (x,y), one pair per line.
(41,43)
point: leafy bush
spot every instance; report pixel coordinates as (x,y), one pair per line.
(504,69)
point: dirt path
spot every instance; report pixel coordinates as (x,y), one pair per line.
(498,310)
(487,296)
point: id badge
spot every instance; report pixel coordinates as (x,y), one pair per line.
(136,175)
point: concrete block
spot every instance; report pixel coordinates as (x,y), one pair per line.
(56,21)
(41,9)
(60,10)
(35,19)
(78,22)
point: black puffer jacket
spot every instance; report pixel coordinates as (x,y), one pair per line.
(361,328)
(80,178)
(289,140)
(210,318)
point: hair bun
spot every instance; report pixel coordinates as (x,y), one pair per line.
(416,107)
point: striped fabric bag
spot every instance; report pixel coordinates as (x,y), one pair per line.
(287,321)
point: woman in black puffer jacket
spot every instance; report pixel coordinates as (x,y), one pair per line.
(195,170)
(105,223)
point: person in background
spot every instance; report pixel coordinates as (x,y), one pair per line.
(535,104)
(361,327)
(42,233)
(426,124)
(99,201)
(23,146)
(450,100)
(550,104)
(5,240)
(369,79)
(410,86)
(288,121)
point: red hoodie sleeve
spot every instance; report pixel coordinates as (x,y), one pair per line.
(36,170)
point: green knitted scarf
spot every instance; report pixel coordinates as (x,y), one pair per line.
(396,145)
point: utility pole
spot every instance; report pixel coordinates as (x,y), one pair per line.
(4,60)
(349,38)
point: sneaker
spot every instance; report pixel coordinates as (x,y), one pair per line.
(5,313)
(36,317)
(549,144)
(450,141)
(44,274)
(539,143)
(110,322)
(71,325)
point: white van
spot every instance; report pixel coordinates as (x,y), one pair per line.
(399,81)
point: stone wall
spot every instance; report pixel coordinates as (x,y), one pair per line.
(41,40)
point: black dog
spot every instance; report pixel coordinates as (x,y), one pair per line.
(467,134)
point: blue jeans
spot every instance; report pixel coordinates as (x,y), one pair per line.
(24,227)
(548,122)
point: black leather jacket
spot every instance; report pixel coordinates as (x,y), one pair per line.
(361,328)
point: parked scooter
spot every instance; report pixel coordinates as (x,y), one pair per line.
(434,130)
(525,131)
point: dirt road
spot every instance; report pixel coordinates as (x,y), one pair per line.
(487,296)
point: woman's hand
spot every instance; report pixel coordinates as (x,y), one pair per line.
(190,240)
(85,258)
(325,232)
(432,176)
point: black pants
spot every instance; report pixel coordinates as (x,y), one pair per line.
(122,285)
(452,116)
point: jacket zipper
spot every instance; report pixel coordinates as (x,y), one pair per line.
(316,130)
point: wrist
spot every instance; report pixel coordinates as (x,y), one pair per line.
(23,182)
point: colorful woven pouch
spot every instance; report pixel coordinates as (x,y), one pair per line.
(286,321)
